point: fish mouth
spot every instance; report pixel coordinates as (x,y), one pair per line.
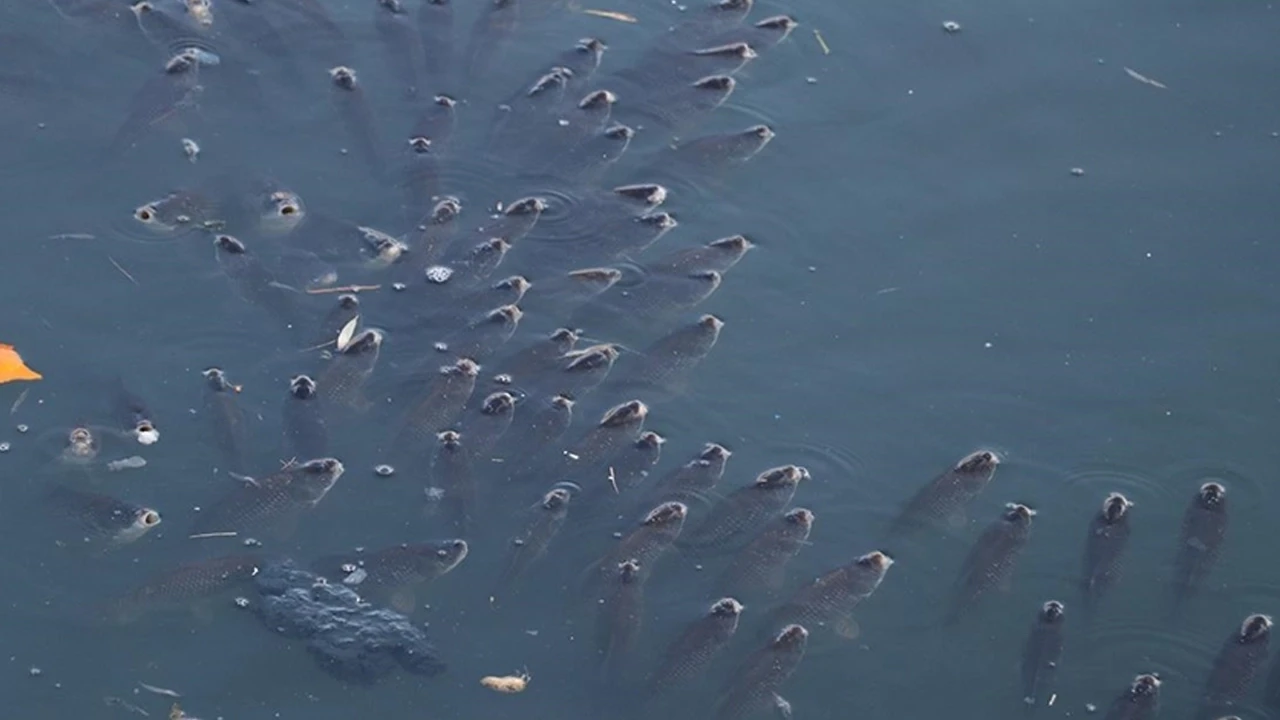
(148,518)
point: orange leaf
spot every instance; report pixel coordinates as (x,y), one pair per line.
(12,368)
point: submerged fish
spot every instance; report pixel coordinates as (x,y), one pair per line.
(104,519)
(663,368)
(306,431)
(176,89)
(760,567)
(754,687)
(184,585)
(832,597)
(395,574)
(530,545)
(134,414)
(453,474)
(944,499)
(1140,701)
(254,283)
(1204,527)
(357,117)
(447,394)
(645,544)
(693,481)
(631,466)
(1104,548)
(486,425)
(528,442)
(690,654)
(991,560)
(223,410)
(275,499)
(719,255)
(620,426)
(746,508)
(1042,652)
(401,42)
(619,616)
(1237,665)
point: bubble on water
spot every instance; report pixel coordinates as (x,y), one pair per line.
(355,577)
(439,274)
(23,427)
(252,542)
(241,602)
(4,447)
(384,470)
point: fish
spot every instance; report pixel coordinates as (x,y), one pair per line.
(306,431)
(662,369)
(578,372)
(134,414)
(564,293)
(587,162)
(943,500)
(1236,666)
(341,383)
(1042,652)
(619,617)
(693,481)
(717,152)
(486,425)
(632,464)
(658,298)
(1204,527)
(762,35)
(446,395)
(428,143)
(161,98)
(383,249)
(394,575)
(526,443)
(708,21)
(185,585)
(254,283)
(720,255)
(356,116)
(472,265)
(747,507)
(645,544)
(833,596)
(452,472)
(542,152)
(992,559)
(273,501)
(619,426)
(485,335)
(177,213)
(81,447)
(401,43)
(1104,549)
(1139,701)
(690,654)
(760,567)
(539,356)
(754,686)
(677,108)
(435,28)
(104,519)
(533,106)
(434,236)
(497,21)
(531,543)
(223,410)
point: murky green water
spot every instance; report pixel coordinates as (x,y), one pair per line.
(931,276)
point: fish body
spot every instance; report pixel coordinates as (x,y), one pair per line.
(280,497)
(484,336)
(306,431)
(102,518)
(1140,701)
(341,383)
(719,152)
(380,575)
(719,255)
(619,427)
(748,507)
(1042,652)
(401,43)
(435,28)
(454,474)
(690,654)
(223,410)
(530,544)
(760,567)
(163,96)
(254,283)
(580,371)
(1104,548)
(693,481)
(664,367)
(447,394)
(832,597)
(1237,665)
(1204,527)
(538,357)
(645,544)
(486,425)
(632,464)
(754,686)
(134,415)
(356,116)
(186,584)
(619,617)
(944,499)
(549,420)
(992,559)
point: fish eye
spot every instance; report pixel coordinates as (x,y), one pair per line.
(150,518)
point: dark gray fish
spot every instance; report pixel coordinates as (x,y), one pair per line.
(538,357)
(719,255)
(754,687)
(497,21)
(1204,526)
(561,295)
(718,152)
(472,265)
(357,118)
(381,249)
(102,518)
(530,545)
(547,145)
(991,560)
(230,434)
(619,616)
(632,465)
(578,372)
(746,508)
(512,222)
(134,415)
(435,236)
(428,142)
(306,432)
(274,500)
(1042,652)
(254,283)
(586,162)
(760,567)
(175,214)
(453,474)
(446,395)
(486,335)
(1104,549)
(1140,701)
(680,107)
(1236,666)
(708,21)
(344,311)
(435,28)
(341,384)
(526,443)
(831,598)
(80,446)
(485,425)
(173,91)
(663,369)
(401,43)
(943,500)
(690,654)
(762,36)
(646,544)
(619,427)
(393,575)
(184,585)
(693,481)
(665,67)
(658,298)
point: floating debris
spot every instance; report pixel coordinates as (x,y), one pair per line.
(220,534)
(1145,80)
(821,43)
(156,689)
(384,470)
(507,683)
(951,27)
(132,462)
(113,701)
(1077,171)
(348,331)
(121,269)
(13,368)
(611,15)
(343,289)
(191,149)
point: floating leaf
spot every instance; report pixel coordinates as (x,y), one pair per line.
(612,15)
(348,331)
(1145,80)
(12,368)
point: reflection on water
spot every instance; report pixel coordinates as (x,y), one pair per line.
(927,275)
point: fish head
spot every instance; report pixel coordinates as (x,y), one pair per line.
(597,100)
(1052,612)
(736,244)
(982,462)
(666,514)
(596,279)
(420,144)
(781,24)
(462,367)
(446,555)
(762,134)
(1145,685)
(784,477)
(791,636)
(711,324)
(499,403)
(651,195)
(1115,507)
(556,500)
(505,316)
(367,342)
(228,245)
(534,206)
(659,222)
(715,453)
(1213,495)
(145,431)
(716,84)
(343,77)
(144,518)
(629,570)
(311,481)
(649,441)
(1255,628)
(726,608)
(216,381)
(81,444)
(800,517)
(446,210)
(1018,514)
(302,387)
(563,402)
(632,412)
(450,440)
(876,561)
(517,284)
